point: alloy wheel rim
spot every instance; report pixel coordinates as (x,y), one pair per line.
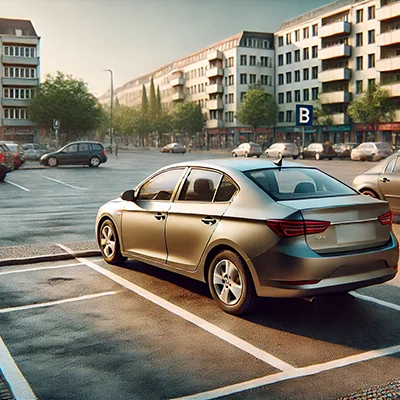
(107,241)
(227,282)
(95,161)
(52,162)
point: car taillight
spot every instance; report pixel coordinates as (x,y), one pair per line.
(2,158)
(387,218)
(285,148)
(288,228)
(103,152)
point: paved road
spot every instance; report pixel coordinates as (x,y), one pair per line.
(59,205)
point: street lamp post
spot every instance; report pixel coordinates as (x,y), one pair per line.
(111,106)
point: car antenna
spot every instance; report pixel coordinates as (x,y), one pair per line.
(279,163)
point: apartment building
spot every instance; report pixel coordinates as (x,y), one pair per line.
(20,72)
(216,77)
(332,54)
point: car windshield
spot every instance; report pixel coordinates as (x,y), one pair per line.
(383,146)
(298,183)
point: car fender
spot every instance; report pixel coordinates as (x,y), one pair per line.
(370,183)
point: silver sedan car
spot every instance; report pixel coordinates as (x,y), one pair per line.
(280,150)
(174,148)
(252,228)
(247,150)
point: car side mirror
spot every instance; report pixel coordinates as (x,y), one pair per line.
(128,195)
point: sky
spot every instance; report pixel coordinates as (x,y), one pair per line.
(82,38)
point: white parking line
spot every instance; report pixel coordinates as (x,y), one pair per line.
(65,184)
(18,186)
(376,301)
(39,268)
(19,386)
(57,302)
(201,323)
(292,374)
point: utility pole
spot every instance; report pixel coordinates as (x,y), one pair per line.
(111,106)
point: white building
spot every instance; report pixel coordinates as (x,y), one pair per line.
(20,73)
(216,77)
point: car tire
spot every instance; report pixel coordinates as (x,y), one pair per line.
(317,156)
(301,156)
(266,154)
(2,176)
(108,242)
(258,156)
(295,157)
(246,154)
(52,162)
(228,271)
(370,192)
(94,162)
(234,155)
(330,158)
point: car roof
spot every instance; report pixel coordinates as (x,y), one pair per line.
(83,141)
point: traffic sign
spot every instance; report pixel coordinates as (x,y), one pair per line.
(56,124)
(304,115)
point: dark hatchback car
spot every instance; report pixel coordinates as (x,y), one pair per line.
(319,151)
(76,153)
(6,161)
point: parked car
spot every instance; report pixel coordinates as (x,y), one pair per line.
(319,151)
(31,151)
(173,148)
(343,150)
(278,150)
(371,151)
(76,153)
(250,228)
(18,154)
(382,181)
(247,150)
(6,161)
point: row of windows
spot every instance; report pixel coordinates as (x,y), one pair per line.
(15,113)
(229,116)
(306,55)
(297,97)
(264,61)
(17,93)
(360,38)
(17,72)
(306,75)
(18,51)
(265,80)
(259,43)
(360,62)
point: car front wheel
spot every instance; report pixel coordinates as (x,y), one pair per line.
(317,156)
(94,162)
(109,243)
(231,285)
(234,155)
(52,162)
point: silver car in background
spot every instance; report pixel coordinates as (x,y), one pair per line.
(247,150)
(371,151)
(251,229)
(174,148)
(281,150)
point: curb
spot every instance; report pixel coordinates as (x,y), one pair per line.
(49,257)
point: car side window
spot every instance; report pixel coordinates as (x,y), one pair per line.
(161,186)
(73,148)
(225,191)
(84,147)
(97,147)
(200,186)
(396,168)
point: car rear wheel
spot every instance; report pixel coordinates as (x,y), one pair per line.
(94,162)
(231,285)
(234,155)
(317,156)
(109,243)
(52,162)
(2,176)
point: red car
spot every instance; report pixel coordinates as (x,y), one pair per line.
(18,154)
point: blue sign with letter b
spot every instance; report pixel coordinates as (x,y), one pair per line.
(304,115)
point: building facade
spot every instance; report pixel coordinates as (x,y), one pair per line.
(20,75)
(216,77)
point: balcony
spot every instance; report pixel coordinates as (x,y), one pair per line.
(337,28)
(215,88)
(388,38)
(340,119)
(386,12)
(20,60)
(334,97)
(388,64)
(14,102)
(214,72)
(214,123)
(28,82)
(336,74)
(339,50)
(394,88)
(17,122)
(215,55)
(178,96)
(215,104)
(21,40)
(177,82)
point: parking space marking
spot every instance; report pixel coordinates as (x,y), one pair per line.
(376,301)
(57,302)
(18,186)
(292,374)
(63,183)
(19,386)
(188,316)
(40,268)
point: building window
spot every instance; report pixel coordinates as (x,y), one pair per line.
(371,12)
(314,73)
(359,63)
(288,97)
(371,60)
(280,60)
(289,116)
(230,62)
(359,16)
(230,80)
(315,30)
(288,77)
(297,96)
(280,79)
(281,116)
(280,41)
(242,94)
(371,36)
(243,60)
(288,38)
(359,39)
(314,93)
(252,79)
(359,86)
(306,53)
(306,33)
(306,94)
(280,98)
(297,76)
(297,35)
(297,56)
(371,82)
(243,79)
(314,51)
(264,80)
(264,61)
(306,74)
(252,60)
(288,58)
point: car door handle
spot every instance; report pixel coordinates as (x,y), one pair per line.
(384,180)
(209,220)
(159,216)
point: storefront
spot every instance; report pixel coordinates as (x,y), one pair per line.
(227,138)
(336,134)
(220,138)
(295,134)
(390,133)
(21,135)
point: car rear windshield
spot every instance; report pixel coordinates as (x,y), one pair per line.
(383,146)
(293,183)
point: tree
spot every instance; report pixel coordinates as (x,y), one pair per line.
(67,99)
(372,107)
(159,106)
(152,101)
(145,101)
(322,115)
(258,109)
(188,117)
